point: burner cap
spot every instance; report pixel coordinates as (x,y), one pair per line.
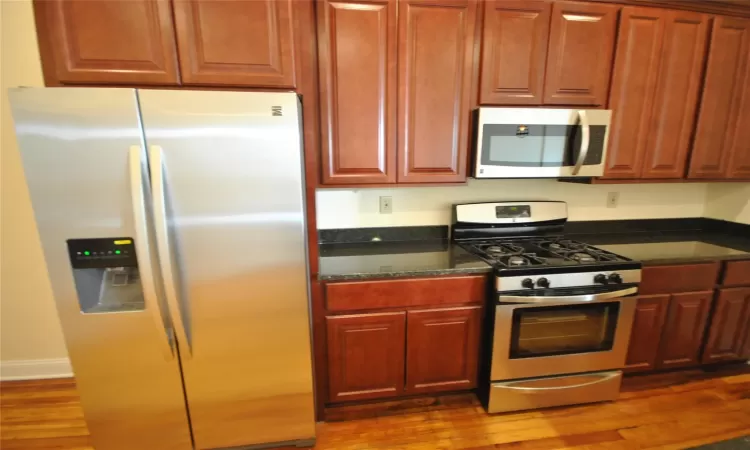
(555,246)
(583,257)
(517,261)
(495,249)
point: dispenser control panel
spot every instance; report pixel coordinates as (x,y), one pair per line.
(102,253)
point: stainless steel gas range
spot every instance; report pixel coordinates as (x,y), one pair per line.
(563,309)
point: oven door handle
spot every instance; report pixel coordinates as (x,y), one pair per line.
(588,298)
(585,139)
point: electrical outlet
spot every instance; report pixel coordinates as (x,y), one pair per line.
(612,199)
(386,205)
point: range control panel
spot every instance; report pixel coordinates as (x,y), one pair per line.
(102,253)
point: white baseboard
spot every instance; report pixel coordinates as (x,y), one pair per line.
(33,369)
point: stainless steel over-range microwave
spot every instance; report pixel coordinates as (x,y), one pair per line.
(540,142)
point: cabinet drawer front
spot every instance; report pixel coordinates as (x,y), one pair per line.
(361,295)
(674,279)
(737,274)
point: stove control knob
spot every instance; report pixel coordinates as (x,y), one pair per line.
(542,283)
(615,278)
(601,279)
(528,283)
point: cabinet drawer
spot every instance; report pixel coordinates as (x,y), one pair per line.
(675,279)
(737,274)
(361,295)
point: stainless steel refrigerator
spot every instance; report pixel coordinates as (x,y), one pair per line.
(173,229)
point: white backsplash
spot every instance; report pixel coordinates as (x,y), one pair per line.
(357,208)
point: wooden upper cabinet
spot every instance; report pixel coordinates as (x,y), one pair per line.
(365,356)
(650,313)
(435,51)
(729,326)
(724,105)
(739,162)
(655,88)
(442,349)
(514,49)
(240,43)
(579,57)
(684,329)
(670,130)
(634,83)
(100,42)
(358,94)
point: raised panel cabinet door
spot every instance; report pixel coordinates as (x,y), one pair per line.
(365,356)
(107,42)
(436,42)
(676,98)
(684,329)
(238,43)
(579,57)
(357,44)
(634,82)
(718,118)
(442,349)
(648,324)
(739,163)
(514,52)
(729,326)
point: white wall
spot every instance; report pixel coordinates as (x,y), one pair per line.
(729,201)
(31,339)
(352,208)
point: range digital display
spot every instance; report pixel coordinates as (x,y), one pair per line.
(513,211)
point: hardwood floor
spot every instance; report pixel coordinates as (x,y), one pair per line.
(671,411)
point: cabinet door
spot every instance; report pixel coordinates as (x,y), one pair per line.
(684,329)
(739,163)
(650,313)
(357,56)
(729,326)
(579,58)
(719,126)
(442,349)
(514,52)
(365,356)
(117,42)
(634,82)
(676,98)
(436,42)
(240,43)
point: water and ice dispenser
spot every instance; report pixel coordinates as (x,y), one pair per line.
(106,275)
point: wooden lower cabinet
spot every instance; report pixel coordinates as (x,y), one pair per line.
(728,331)
(442,349)
(684,329)
(650,314)
(365,356)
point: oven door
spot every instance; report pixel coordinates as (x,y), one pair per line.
(557,332)
(541,143)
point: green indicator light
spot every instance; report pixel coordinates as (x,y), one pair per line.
(87,253)
(117,252)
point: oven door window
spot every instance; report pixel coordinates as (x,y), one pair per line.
(563,330)
(539,145)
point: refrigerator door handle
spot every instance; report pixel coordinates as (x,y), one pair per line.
(143,252)
(156,161)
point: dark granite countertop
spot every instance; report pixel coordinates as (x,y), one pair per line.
(402,252)
(352,261)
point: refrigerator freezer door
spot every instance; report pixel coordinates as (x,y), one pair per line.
(233,203)
(75,146)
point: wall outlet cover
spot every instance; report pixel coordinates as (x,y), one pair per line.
(386,205)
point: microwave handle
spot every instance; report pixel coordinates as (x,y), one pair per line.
(585,138)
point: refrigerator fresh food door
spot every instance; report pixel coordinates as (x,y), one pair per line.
(85,164)
(229,209)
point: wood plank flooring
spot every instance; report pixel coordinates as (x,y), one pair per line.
(670,411)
